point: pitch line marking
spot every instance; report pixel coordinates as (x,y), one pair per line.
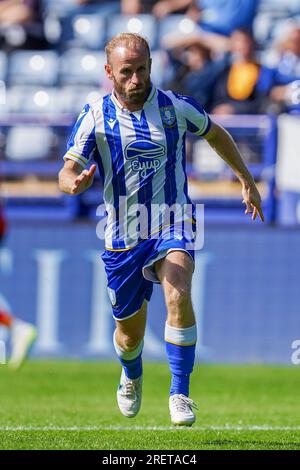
(151,428)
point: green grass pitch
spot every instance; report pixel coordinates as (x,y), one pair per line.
(72,405)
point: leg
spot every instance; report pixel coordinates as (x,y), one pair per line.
(128,342)
(129,293)
(175,274)
(6,319)
(23,334)
(129,333)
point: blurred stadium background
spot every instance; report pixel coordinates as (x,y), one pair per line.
(246,283)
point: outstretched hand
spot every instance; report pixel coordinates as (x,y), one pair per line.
(252,199)
(83,180)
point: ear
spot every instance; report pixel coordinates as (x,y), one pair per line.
(108,71)
(150,64)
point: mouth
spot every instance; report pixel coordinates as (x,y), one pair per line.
(135,89)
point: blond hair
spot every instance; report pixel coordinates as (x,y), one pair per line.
(130,40)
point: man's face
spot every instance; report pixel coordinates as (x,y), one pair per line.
(129,68)
(242,45)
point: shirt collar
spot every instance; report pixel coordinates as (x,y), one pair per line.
(149,100)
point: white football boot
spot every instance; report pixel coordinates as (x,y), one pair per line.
(129,395)
(181,411)
(23,336)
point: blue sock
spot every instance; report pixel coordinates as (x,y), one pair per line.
(133,369)
(180,346)
(180,384)
(131,361)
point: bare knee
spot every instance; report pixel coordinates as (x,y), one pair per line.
(129,333)
(128,341)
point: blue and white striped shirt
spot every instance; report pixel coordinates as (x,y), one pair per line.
(140,155)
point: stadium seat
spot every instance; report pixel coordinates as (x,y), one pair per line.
(280,7)
(3,101)
(269,57)
(160,72)
(3,98)
(272,20)
(282,27)
(58,7)
(86,31)
(33,68)
(29,143)
(73,98)
(2,143)
(142,24)
(32,100)
(3,65)
(262,27)
(83,67)
(175,24)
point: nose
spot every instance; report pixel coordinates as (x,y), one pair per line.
(135,79)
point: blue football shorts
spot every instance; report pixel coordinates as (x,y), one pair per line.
(131,273)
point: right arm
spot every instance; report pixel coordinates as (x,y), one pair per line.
(72,179)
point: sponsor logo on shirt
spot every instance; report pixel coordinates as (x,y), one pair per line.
(144,155)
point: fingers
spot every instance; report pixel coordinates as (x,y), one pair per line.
(261,214)
(252,200)
(84,177)
(92,170)
(255,210)
(248,207)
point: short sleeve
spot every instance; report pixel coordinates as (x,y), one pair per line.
(197,120)
(82,142)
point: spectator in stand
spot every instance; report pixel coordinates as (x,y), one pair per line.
(21,25)
(103,7)
(217,16)
(289,53)
(159,8)
(244,85)
(15,12)
(286,59)
(225,16)
(195,73)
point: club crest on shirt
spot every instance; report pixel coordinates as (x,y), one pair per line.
(168,116)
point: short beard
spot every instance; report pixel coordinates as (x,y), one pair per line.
(135,96)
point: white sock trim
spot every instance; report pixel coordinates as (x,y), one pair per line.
(127,355)
(181,336)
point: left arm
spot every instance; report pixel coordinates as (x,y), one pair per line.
(223,144)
